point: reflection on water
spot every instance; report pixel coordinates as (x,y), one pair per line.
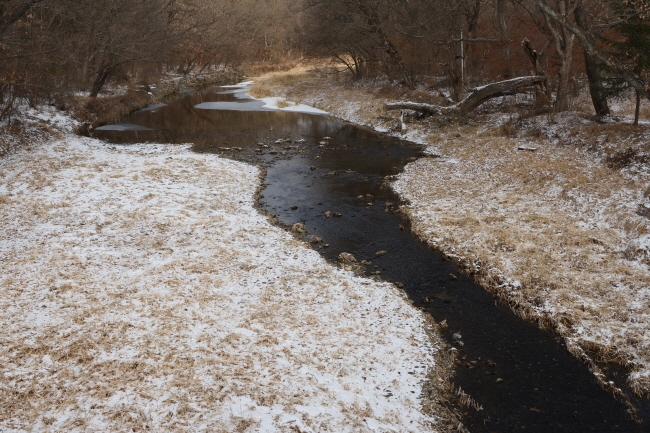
(182,122)
(523,377)
(151,108)
(123,127)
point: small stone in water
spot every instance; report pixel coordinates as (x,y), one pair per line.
(294,207)
(347,258)
(381,253)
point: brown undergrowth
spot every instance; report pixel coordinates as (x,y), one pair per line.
(439,397)
(94,112)
(109,107)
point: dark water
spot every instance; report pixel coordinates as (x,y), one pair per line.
(523,377)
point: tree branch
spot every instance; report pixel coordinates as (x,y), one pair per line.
(476,97)
(592,49)
(6,22)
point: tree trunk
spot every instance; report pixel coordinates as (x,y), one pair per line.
(587,41)
(396,58)
(388,47)
(100,80)
(637,109)
(563,39)
(541,90)
(598,97)
(562,96)
(503,29)
(478,96)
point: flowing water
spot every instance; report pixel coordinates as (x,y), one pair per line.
(523,377)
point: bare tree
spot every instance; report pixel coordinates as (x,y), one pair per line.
(11,11)
(608,60)
(598,97)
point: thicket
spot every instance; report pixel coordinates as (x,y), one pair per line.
(50,48)
(466,43)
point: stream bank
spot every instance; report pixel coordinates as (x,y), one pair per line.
(554,230)
(143,291)
(329,178)
(111,105)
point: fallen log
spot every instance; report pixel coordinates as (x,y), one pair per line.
(476,97)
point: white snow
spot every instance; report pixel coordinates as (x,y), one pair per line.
(273,102)
(123,127)
(141,289)
(239,85)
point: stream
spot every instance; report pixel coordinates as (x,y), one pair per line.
(331,176)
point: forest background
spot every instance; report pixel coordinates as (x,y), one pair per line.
(52,49)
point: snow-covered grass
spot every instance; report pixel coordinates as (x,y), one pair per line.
(554,231)
(141,290)
(560,232)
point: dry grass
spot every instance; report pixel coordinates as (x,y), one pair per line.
(107,109)
(555,232)
(133,299)
(260,91)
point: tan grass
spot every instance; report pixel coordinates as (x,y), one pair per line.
(260,91)
(283,103)
(129,306)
